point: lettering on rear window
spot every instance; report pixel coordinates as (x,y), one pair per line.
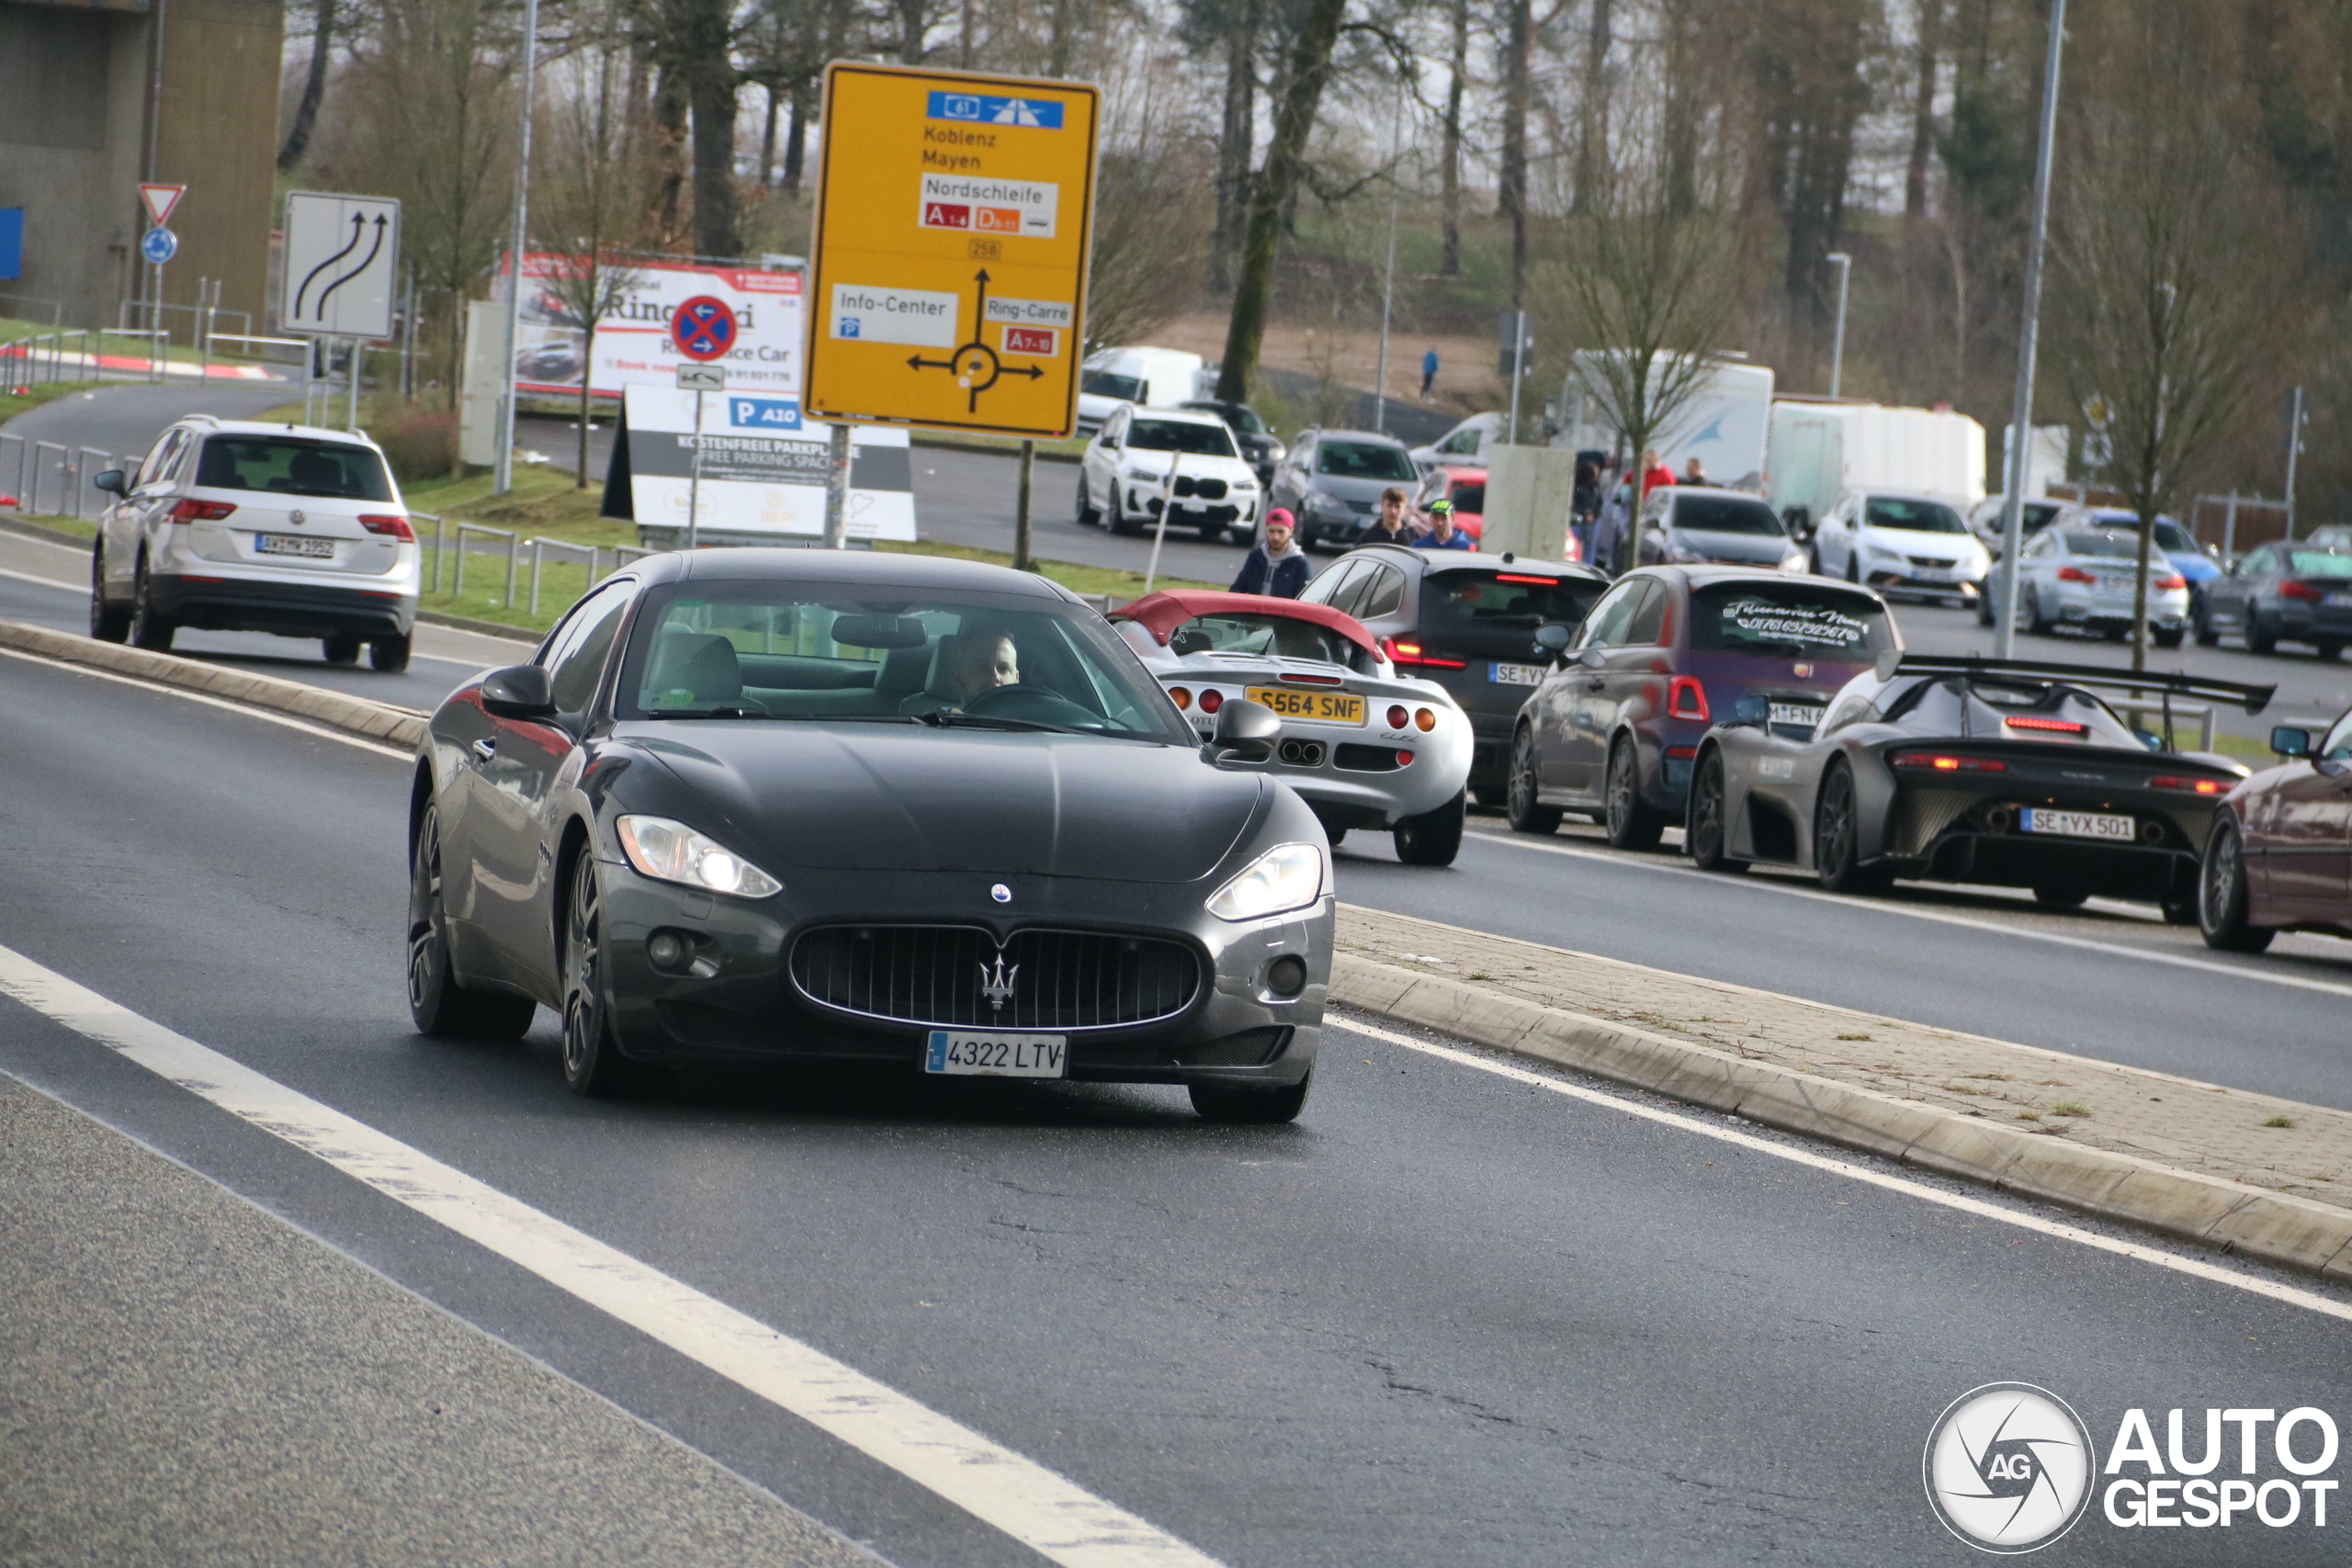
(1756,620)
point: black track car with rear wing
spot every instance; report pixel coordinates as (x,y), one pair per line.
(2004,772)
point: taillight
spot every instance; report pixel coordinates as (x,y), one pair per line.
(392,523)
(1398,718)
(1211,700)
(2189,785)
(1944,763)
(1513,576)
(2046,725)
(1183,698)
(1404,759)
(2075,574)
(201,511)
(1409,653)
(2301,591)
(1424,720)
(1685,698)
(2167,585)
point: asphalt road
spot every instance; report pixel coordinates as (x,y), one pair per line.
(1449,1317)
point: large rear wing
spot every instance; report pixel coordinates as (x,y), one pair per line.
(2253,699)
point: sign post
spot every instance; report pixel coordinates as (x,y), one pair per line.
(948,264)
(703,330)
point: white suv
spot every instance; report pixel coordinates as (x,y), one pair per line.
(1128,467)
(232,525)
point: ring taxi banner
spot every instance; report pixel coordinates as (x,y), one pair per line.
(633,345)
(763,467)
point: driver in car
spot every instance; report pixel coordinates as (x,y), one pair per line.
(971,665)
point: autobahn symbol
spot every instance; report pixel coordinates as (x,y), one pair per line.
(976,364)
(339,264)
(703,329)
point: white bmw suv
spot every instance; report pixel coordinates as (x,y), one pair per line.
(234,525)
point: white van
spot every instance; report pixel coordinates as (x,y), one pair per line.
(1153,377)
(1463,443)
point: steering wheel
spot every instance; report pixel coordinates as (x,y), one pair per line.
(1029,700)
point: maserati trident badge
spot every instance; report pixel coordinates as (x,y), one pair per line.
(1001,893)
(997,983)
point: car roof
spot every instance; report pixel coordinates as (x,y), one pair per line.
(213,425)
(1181,415)
(1433,561)
(1679,488)
(1929,496)
(1377,437)
(1161,613)
(762,563)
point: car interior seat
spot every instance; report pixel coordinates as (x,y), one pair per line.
(700,666)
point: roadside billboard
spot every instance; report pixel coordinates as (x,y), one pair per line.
(763,467)
(633,346)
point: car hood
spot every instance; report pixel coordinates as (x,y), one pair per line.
(1196,465)
(2194,565)
(1767,549)
(905,797)
(1910,542)
(1353,490)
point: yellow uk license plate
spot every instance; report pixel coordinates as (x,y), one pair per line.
(1324,708)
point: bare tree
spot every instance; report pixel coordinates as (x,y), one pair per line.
(2177,301)
(314,87)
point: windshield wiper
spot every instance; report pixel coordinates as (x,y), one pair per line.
(942,719)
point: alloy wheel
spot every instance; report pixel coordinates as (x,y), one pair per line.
(583,1002)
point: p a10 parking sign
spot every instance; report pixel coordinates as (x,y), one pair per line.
(949,270)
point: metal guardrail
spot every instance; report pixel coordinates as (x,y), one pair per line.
(440,531)
(17,494)
(538,562)
(32,500)
(623,554)
(514,557)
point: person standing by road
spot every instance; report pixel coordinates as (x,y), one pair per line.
(1693,473)
(1393,524)
(1654,473)
(1442,535)
(1277,567)
(1428,373)
(1583,507)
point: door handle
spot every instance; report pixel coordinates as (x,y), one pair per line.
(1595,682)
(485,750)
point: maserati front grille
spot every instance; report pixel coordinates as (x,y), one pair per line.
(956,977)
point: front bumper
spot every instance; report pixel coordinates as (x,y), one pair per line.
(738,1002)
(208,602)
(1905,580)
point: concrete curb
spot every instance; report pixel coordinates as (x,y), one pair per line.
(355,715)
(2231,1216)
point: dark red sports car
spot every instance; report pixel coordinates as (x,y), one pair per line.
(2280,856)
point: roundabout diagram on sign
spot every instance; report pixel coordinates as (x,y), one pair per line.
(976,364)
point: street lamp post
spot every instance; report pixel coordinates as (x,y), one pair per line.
(504,480)
(2004,617)
(1845,265)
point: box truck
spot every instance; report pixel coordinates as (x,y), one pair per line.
(1823,449)
(1724,423)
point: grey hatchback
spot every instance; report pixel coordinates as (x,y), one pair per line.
(1466,622)
(1333,481)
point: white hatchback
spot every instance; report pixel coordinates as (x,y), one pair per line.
(234,525)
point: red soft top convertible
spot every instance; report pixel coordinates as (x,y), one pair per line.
(1161,614)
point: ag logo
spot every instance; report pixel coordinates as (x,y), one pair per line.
(2008,1468)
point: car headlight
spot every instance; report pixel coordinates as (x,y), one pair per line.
(1248,486)
(1143,474)
(1288,877)
(1795,560)
(1683,552)
(1330,505)
(672,852)
(1880,552)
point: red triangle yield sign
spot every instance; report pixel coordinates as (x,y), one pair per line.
(160,201)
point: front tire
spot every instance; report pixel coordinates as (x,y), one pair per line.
(439,1003)
(1250,1104)
(1433,837)
(1632,825)
(1705,832)
(149,627)
(1521,807)
(2221,900)
(108,623)
(1836,838)
(593,1063)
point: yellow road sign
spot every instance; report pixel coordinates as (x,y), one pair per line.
(955,215)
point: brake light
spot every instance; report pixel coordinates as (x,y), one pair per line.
(1409,653)
(1514,576)
(1211,700)
(2189,785)
(392,523)
(2301,591)
(2075,574)
(2047,725)
(1398,718)
(1944,763)
(2167,585)
(1686,698)
(1184,697)
(201,511)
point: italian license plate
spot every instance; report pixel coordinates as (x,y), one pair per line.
(1324,708)
(1515,674)
(1803,714)
(293,544)
(997,1055)
(2077,824)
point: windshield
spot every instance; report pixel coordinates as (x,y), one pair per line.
(1364,460)
(1912,516)
(2174,540)
(1240,632)
(2101,544)
(291,466)
(1102,384)
(2319,563)
(779,649)
(1179,435)
(1751,617)
(1470,497)
(1724,515)
(1242,419)
(1478,600)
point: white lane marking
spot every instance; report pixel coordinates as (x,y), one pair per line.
(80,588)
(1890,907)
(2180,1263)
(10,537)
(1043,1510)
(285,720)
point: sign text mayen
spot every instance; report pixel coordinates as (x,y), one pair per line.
(955,213)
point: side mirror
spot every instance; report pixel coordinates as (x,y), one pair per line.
(1552,639)
(1593,658)
(2290,741)
(520,691)
(112,481)
(1245,731)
